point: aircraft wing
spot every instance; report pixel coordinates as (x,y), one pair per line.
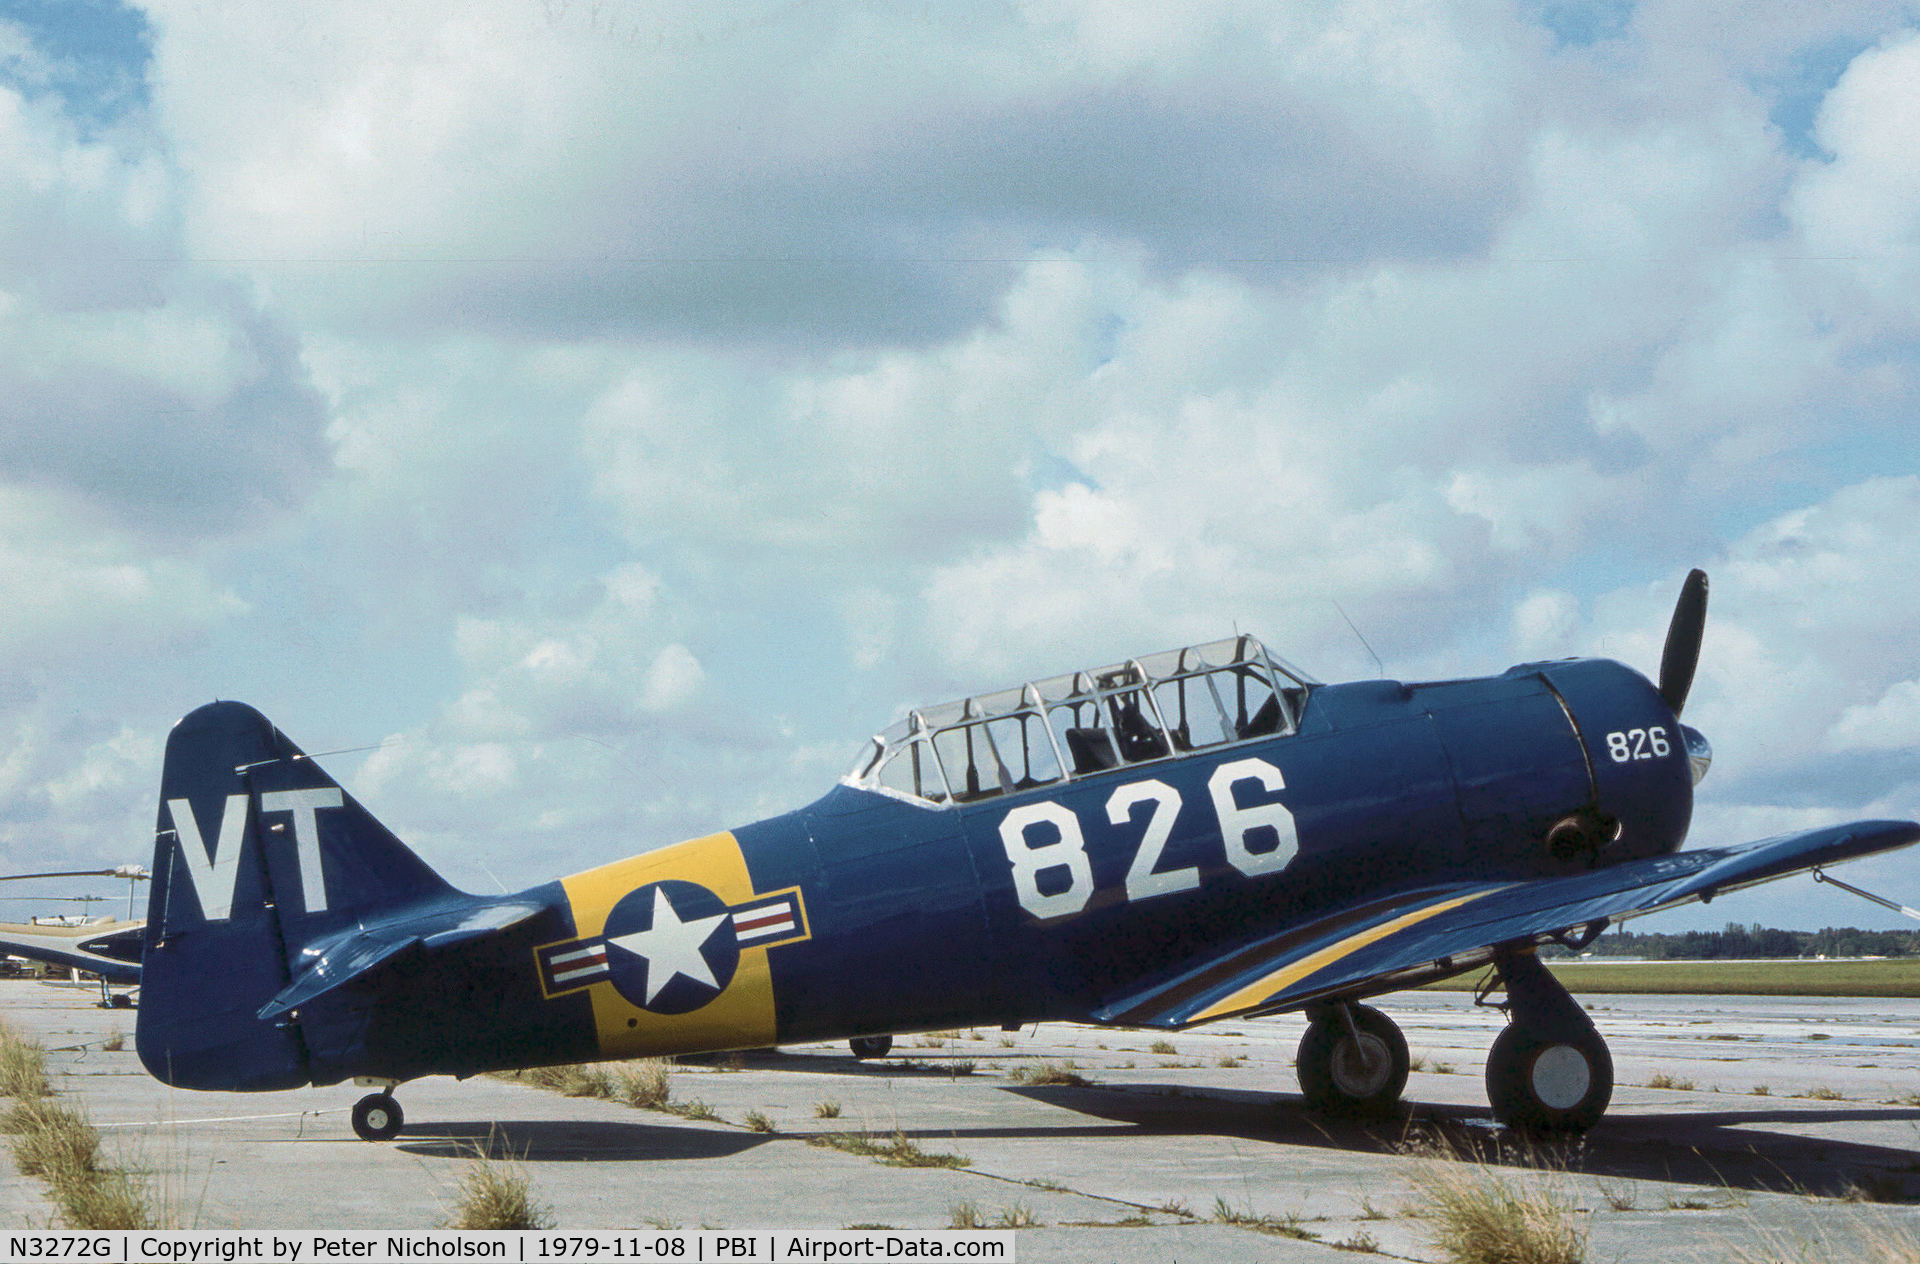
(1433,931)
(334,963)
(72,948)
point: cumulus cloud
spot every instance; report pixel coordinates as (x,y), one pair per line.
(164,398)
(869,170)
(1861,205)
(628,407)
(1890,723)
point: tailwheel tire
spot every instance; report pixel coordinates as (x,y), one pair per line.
(1541,1085)
(1342,1077)
(377,1117)
(865,1047)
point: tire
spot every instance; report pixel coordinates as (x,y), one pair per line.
(1540,1085)
(865,1047)
(377,1117)
(1344,1079)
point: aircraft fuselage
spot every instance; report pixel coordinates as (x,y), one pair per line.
(872,912)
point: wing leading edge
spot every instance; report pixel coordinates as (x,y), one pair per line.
(1430,932)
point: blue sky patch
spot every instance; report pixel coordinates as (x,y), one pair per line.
(93,53)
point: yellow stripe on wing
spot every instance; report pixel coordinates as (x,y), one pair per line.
(1286,976)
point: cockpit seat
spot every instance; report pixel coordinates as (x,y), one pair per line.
(1092,750)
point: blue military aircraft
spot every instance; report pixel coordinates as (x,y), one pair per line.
(1199,834)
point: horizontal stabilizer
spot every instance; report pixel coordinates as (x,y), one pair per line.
(1429,928)
(333,963)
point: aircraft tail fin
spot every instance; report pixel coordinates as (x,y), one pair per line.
(258,856)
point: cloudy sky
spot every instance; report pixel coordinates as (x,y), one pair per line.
(610,412)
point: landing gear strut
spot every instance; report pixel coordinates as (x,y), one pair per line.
(1352,1061)
(377,1116)
(1549,1071)
(865,1047)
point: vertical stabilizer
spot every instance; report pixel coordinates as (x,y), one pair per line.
(258,854)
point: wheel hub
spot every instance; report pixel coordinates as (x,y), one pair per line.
(1360,1069)
(1561,1077)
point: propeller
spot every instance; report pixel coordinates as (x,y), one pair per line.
(1682,653)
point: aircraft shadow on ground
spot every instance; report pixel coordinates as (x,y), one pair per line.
(1719,1148)
(570,1140)
(902,1063)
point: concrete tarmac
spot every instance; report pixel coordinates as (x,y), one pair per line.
(1781,1121)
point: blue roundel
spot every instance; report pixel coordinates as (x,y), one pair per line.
(671,947)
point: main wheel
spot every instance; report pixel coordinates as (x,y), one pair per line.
(1338,1075)
(1542,1085)
(377,1117)
(865,1047)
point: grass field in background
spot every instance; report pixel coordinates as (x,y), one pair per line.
(1891,977)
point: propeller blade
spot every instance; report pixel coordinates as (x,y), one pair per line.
(1682,653)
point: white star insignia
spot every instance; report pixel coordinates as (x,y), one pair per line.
(671,947)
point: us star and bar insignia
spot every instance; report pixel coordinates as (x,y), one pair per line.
(672,946)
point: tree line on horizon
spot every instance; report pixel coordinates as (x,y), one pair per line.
(1737,942)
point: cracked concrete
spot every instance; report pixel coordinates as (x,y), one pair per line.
(1148,1162)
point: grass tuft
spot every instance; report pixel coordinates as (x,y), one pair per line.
(23,1069)
(899,1150)
(1478,1217)
(497,1194)
(826,1108)
(1052,1073)
(966,1215)
(59,1145)
(1620,1197)
(55,1141)
(642,1083)
(1663,1080)
(110,1200)
(1865,1240)
(1289,1225)
(1163,1047)
(572,1079)
(757,1121)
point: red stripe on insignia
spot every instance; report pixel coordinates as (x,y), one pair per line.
(759,919)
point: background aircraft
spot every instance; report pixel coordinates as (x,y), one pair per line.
(1200,834)
(101,946)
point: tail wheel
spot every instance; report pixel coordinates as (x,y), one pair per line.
(377,1117)
(1543,1085)
(1356,1070)
(865,1047)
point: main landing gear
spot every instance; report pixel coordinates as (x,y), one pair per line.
(377,1116)
(1352,1061)
(1549,1071)
(865,1047)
